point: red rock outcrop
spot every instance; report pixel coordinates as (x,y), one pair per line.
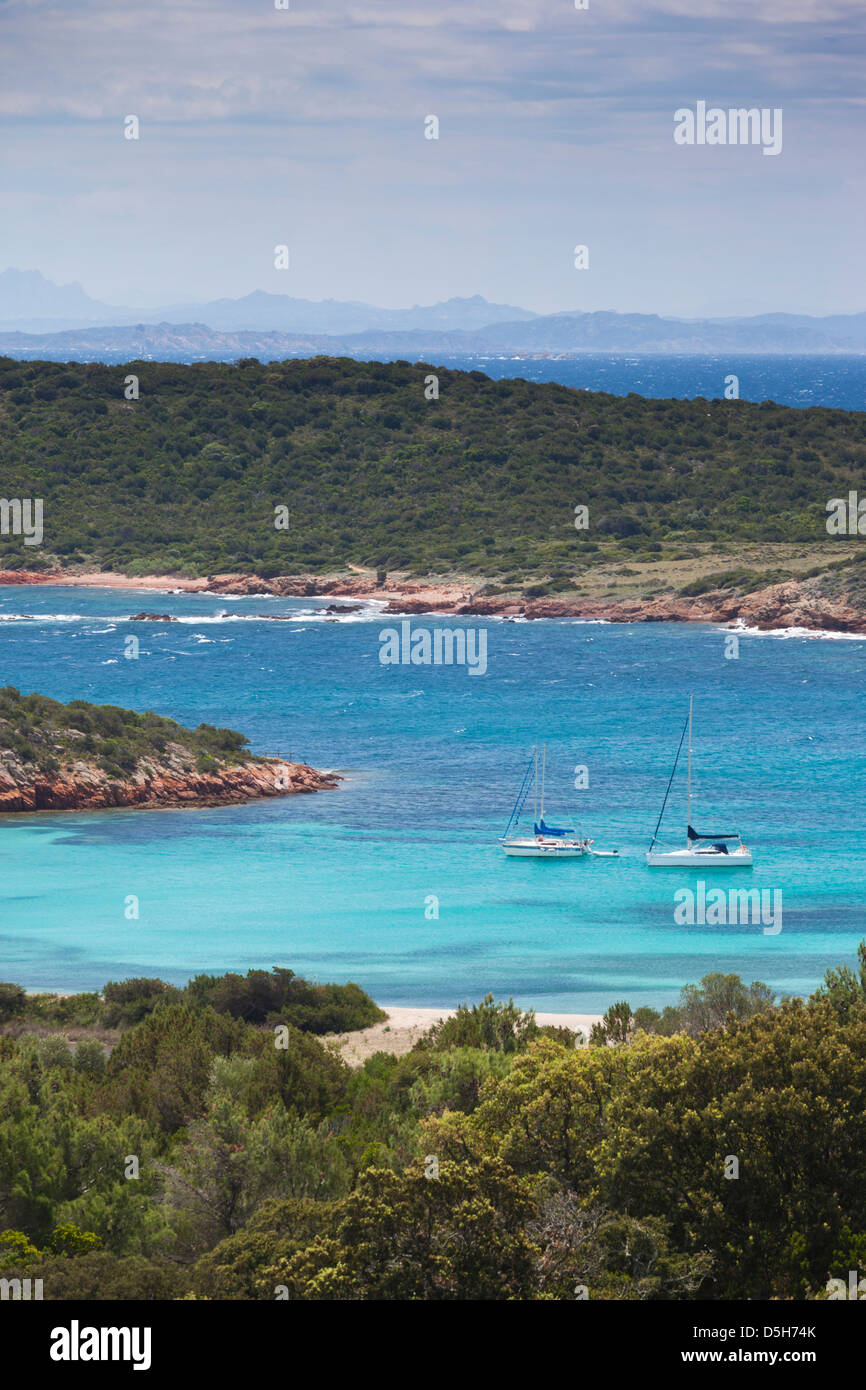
(84,787)
(29,576)
(779,606)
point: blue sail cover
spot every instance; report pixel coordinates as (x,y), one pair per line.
(543,829)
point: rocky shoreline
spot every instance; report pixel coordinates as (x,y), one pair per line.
(84,787)
(796,603)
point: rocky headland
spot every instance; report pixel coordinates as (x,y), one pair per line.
(81,757)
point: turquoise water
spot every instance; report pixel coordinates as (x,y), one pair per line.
(337,885)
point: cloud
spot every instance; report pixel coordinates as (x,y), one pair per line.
(211,59)
(311,119)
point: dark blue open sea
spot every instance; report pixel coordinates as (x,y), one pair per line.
(838,380)
(341,885)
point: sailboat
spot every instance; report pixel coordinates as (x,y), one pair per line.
(546,841)
(702,850)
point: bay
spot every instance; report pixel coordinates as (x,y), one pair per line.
(343,884)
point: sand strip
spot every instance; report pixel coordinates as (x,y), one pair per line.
(403,1027)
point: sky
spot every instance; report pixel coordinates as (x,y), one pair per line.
(305,127)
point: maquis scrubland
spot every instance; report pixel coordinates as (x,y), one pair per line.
(208,1143)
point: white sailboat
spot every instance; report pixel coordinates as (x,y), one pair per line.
(702,851)
(546,841)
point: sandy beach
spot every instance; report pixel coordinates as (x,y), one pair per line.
(403,1027)
(358,584)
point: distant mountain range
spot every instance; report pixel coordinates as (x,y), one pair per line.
(31,304)
(40,319)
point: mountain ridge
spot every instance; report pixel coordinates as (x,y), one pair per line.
(276,325)
(30,303)
(561,335)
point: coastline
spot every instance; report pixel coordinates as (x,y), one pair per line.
(86,788)
(792,604)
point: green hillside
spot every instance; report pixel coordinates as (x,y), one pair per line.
(483,480)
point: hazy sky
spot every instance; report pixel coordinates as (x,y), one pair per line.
(306,127)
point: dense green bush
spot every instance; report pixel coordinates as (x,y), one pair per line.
(104,1277)
(490,1024)
(77,1010)
(278,996)
(118,739)
(281,996)
(130,1001)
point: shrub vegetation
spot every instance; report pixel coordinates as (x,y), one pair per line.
(495,1161)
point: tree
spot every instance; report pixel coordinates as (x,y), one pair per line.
(278,1230)
(749,1142)
(718,997)
(708,1005)
(90,1058)
(16,1249)
(490,1024)
(455,1079)
(68,1239)
(104,1277)
(160,1070)
(129,1001)
(546,1116)
(586,1249)
(281,996)
(617,1026)
(12,1001)
(458,1235)
(59,1166)
(230,1164)
(845,988)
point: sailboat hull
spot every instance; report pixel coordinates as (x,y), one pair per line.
(543,849)
(699,859)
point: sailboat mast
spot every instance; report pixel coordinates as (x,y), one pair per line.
(536,784)
(689,817)
(543,765)
(670,782)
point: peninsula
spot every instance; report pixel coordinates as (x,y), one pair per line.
(83,757)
